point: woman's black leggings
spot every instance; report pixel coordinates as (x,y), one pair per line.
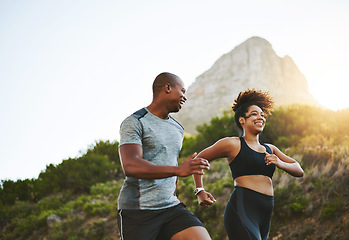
(248,214)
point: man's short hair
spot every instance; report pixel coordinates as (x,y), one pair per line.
(162,79)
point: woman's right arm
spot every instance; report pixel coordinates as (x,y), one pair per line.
(223,148)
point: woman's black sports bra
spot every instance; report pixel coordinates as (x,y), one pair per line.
(251,162)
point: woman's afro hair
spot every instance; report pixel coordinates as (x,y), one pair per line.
(254,97)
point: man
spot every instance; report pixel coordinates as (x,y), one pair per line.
(150,142)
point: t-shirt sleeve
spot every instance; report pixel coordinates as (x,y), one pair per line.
(130,131)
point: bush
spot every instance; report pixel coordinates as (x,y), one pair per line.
(332,208)
(51,202)
(96,230)
(97,208)
(68,229)
(289,202)
(108,189)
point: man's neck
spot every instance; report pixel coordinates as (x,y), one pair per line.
(158,111)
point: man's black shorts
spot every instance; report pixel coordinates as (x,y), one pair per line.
(155,224)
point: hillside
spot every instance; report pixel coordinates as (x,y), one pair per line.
(62,204)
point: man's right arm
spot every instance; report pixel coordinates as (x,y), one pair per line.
(131,156)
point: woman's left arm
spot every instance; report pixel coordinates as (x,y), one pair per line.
(283,162)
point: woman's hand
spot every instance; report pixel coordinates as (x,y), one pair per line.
(284,162)
(272,159)
(205,199)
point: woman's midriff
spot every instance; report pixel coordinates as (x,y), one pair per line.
(258,183)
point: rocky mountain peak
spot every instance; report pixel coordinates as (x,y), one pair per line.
(252,64)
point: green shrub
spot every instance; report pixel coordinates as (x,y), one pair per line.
(20,209)
(67,229)
(51,202)
(108,189)
(289,201)
(96,230)
(332,208)
(97,208)
(79,202)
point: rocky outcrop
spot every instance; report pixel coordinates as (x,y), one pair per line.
(252,64)
(52,219)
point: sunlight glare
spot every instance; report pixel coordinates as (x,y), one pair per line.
(332,90)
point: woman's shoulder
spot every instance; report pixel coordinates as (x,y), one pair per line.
(232,146)
(271,146)
(229,141)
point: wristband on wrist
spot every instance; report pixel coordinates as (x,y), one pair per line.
(197,190)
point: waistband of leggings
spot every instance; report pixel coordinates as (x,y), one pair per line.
(254,192)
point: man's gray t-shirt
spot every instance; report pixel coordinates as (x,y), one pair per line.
(161,141)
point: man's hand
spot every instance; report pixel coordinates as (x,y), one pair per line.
(193,165)
(205,199)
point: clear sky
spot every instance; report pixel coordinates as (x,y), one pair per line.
(71,71)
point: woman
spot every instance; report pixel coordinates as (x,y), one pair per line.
(248,212)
